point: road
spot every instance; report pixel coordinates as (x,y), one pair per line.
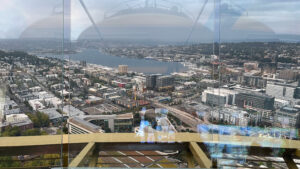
(185,117)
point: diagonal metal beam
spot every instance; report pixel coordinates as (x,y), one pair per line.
(290,162)
(91,19)
(200,156)
(297,153)
(80,158)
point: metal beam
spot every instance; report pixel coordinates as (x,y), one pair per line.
(54,140)
(141,146)
(190,160)
(200,156)
(297,153)
(289,160)
(85,153)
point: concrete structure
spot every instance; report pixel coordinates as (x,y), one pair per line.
(164,82)
(231,116)
(255,100)
(115,123)
(219,96)
(36,104)
(9,107)
(77,125)
(71,111)
(287,117)
(151,81)
(17,120)
(252,81)
(123,69)
(250,66)
(282,91)
(204,83)
(288,74)
(100,123)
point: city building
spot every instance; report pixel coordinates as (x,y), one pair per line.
(164,82)
(128,103)
(254,100)
(252,81)
(17,120)
(54,116)
(100,123)
(112,123)
(219,96)
(83,63)
(250,66)
(9,106)
(151,81)
(123,69)
(205,83)
(288,74)
(77,125)
(71,111)
(282,90)
(286,116)
(231,116)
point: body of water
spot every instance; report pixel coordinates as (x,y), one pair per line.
(138,65)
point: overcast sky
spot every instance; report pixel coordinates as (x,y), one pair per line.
(283,16)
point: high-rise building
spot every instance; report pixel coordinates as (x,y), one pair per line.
(83,63)
(123,69)
(297,126)
(151,81)
(255,100)
(164,82)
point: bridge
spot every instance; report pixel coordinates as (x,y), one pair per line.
(82,150)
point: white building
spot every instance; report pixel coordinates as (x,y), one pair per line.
(219,96)
(70,111)
(231,116)
(36,104)
(123,69)
(9,107)
(281,90)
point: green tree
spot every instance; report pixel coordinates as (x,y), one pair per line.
(39,120)
(11,131)
(32,132)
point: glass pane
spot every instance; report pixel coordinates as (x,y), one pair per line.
(30,82)
(149,83)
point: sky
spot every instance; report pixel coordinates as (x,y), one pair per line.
(16,15)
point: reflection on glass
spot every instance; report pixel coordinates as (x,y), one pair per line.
(149,83)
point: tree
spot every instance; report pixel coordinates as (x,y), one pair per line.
(39,120)
(11,131)
(32,132)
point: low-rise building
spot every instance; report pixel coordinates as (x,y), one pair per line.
(286,116)
(9,107)
(17,120)
(71,111)
(54,116)
(255,100)
(77,125)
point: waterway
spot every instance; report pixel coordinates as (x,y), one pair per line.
(145,66)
